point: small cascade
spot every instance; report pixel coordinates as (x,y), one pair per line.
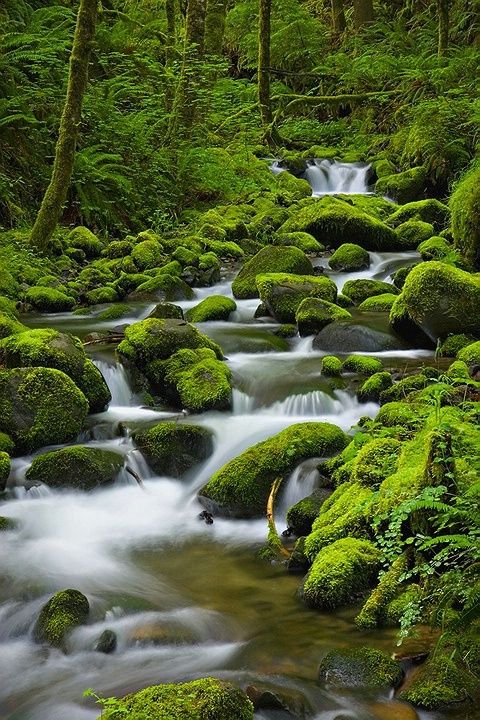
(310,404)
(327,177)
(300,484)
(117,382)
(242,404)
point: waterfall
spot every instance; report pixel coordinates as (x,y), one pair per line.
(327,177)
(117,382)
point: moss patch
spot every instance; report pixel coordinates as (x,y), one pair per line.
(269,260)
(283,293)
(359,667)
(215,307)
(172,449)
(63,612)
(79,467)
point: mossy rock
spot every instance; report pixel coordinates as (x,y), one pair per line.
(359,667)
(162,288)
(340,573)
(185,256)
(48,300)
(83,239)
(378,303)
(40,406)
(404,187)
(203,699)
(283,293)
(401,389)
(6,443)
(291,187)
(172,449)
(147,254)
(465,207)
(302,240)
(199,380)
(414,232)
(242,486)
(50,348)
(403,324)
(344,301)
(375,461)
(383,167)
(347,337)
(435,248)
(117,249)
(458,370)
(270,259)
(370,390)
(331,366)
(349,258)
(375,611)
(429,211)
(115,312)
(10,325)
(4,469)
(362,364)
(215,307)
(401,414)
(452,345)
(334,221)
(167,310)
(361,289)
(7,524)
(301,516)
(470,354)
(228,249)
(442,300)
(401,275)
(78,467)
(101,295)
(313,314)
(65,611)
(8,284)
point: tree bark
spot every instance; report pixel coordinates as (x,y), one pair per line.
(443,22)
(56,193)
(338,16)
(264,31)
(215,26)
(170,49)
(362,13)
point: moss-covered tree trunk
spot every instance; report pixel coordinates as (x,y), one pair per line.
(443,22)
(171,33)
(338,16)
(215,26)
(56,193)
(264,100)
(362,13)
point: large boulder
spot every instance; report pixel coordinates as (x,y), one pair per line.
(79,467)
(40,406)
(215,307)
(283,293)
(4,469)
(65,611)
(465,205)
(442,300)
(359,667)
(429,211)
(242,486)
(48,300)
(195,380)
(172,449)
(313,314)
(403,324)
(347,337)
(270,259)
(404,187)
(50,348)
(349,258)
(334,221)
(362,288)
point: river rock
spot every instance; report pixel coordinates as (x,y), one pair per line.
(166,310)
(64,611)
(83,468)
(270,259)
(300,516)
(107,642)
(362,288)
(347,337)
(40,406)
(172,449)
(359,667)
(290,701)
(283,293)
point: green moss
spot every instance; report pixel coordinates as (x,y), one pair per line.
(65,611)
(164,287)
(401,275)
(227,249)
(395,609)
(79,467)
(401,389)
(344,301)
(94,276)
(442,300)
(340,572)
(452,345)
(117,249)
(375,461)
(215,307)
(360,290)
(185,256)
(167,310)
(403,187)
(370,390)
(7,524)
(401,414)
(243,485)
(470,354)
(8,285)
(465,206)
(313,314)
(438,682)
(429,211)
(291,187)
(331,366)
(116,312)
(300,517)
(349,257)
(458,370)
(378,303)
(6,443)
(334,220)
(4,469)
(46,299)
(83,239)
(101,295)
(383,168)
(147,254)
(359,667)
(403,324)
(204,699)
(283,293)
(414,232)
(41,406)
(286,331)
(270,259)
(436,248)
(200,380)
(9,326)
(362,364)
(375,610)
(302,240)
(172,449)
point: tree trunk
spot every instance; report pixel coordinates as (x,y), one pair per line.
(443,22)
(338,16)
(215,26)
(362,12)
(170,48)
(56,193)
(271,135)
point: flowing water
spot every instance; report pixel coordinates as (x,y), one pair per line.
(185,599)
(328,177)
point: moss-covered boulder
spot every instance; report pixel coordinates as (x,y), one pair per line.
(101,295)
(83,239)
(162,288)
(294,187)
(465,206)
(362,364)
(4,469)
(302,240)
(435,248)
(442,299)
(147,254)
(166,310)
(203,699)
(301,516)
(215,307)
(403,324)
(361,289)
(340,573)
(117,249)
(241,488)
(40,406)
(404,187)
(452,344)
(78,467)
(313,314)
(172,449)
(9,325)
(65,611)
(370,390)
(401,275)
(470,354)
(270,259)
(429,211)
(359,667)
(283,293)
(198,379)
(334,221)
(401,389)
(50,348)
(331,366)
(349,258)
(413,232)
(48,300)
(375,461)
(378,303)
(347,337)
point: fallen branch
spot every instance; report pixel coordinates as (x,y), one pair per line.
(331,100)
(136,476)
(107,339)
(274,540)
